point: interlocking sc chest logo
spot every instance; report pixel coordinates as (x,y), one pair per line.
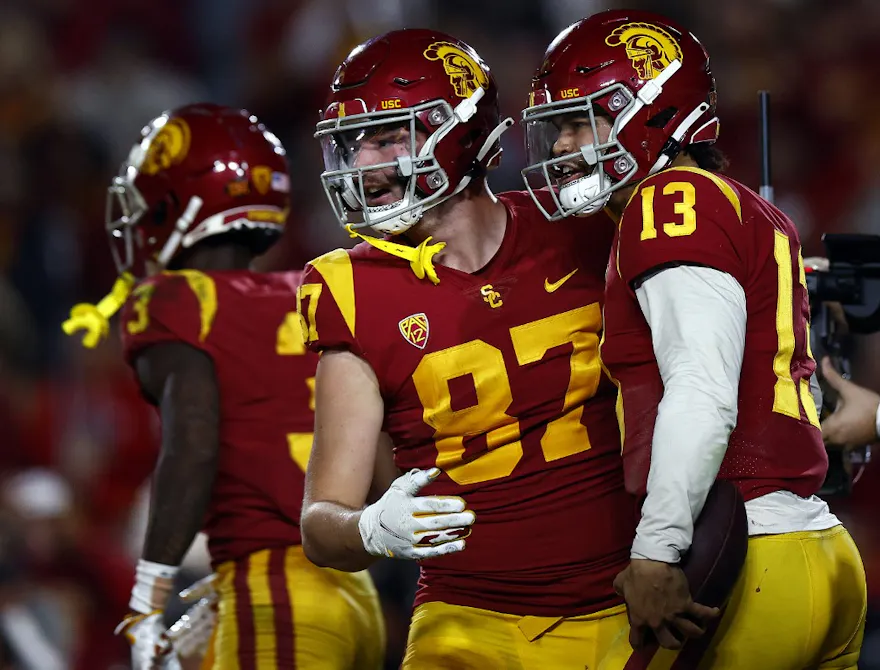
(491,296)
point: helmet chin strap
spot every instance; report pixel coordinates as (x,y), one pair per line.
(493,137)
(183,223)
(674,143)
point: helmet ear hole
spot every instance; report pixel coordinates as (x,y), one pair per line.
(470,137)
(660,119)
(167,207)
(159,214)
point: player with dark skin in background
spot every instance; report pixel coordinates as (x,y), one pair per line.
(219,350)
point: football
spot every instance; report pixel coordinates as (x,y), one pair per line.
(718,551)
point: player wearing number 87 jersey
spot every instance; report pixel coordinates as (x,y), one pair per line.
(219,350)
(483,368)
(707,336)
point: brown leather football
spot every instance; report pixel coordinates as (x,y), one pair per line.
(718,551)
(712,567)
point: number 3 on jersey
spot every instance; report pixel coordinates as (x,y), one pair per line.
(141,295)
(564,436)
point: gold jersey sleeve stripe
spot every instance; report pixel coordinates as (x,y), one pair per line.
(205,291)
(335,267)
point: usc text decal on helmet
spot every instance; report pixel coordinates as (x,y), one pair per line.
(411,118)
(648,79)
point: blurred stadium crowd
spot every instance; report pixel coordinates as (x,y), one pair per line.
(78,79)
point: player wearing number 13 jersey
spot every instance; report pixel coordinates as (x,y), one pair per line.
(477,351)
(707,336)
(219,350)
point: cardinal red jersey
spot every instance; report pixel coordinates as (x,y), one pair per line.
(494,377)
(247,323)
(687,215)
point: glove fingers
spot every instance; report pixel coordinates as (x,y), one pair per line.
(431,504)
(433,551)
(195,592)
(415,480)
(438,537)
(457,520)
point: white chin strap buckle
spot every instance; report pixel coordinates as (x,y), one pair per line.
(180,228)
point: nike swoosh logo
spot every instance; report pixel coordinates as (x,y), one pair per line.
(389,530)
(555,285)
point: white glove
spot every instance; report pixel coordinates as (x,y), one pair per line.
(150,647)
(403,525)
(204,588)
(191,634)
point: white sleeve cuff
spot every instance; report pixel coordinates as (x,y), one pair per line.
(647,548)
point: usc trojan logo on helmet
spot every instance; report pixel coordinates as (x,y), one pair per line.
(648,47)
(465,73)
(167,148)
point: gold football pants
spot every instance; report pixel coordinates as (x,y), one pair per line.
(466,638)
(279,611)
(799,603)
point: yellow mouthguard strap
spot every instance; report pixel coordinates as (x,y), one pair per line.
(420,257)
(95,319)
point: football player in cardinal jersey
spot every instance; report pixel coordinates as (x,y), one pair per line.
(707,337)
(219,350)
(469,332)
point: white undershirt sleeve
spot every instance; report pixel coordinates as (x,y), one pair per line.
(697,317)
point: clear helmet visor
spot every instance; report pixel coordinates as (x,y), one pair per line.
(573,152)
(364,164)
(372,164)
(367,146)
